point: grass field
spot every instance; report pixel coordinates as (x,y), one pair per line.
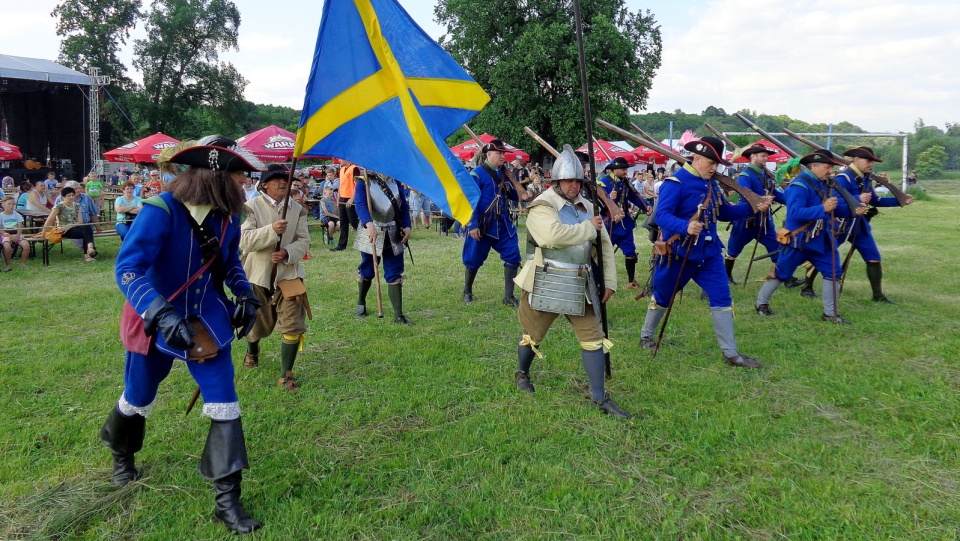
(418,433)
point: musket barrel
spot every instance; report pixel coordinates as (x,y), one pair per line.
(767,136)
(815,146)
(726,140)
(542,143)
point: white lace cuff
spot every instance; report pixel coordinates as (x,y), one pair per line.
(222,411)
(130,410)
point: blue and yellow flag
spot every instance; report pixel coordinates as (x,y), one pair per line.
(384,95)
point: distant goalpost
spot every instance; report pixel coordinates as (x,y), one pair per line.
(904,136)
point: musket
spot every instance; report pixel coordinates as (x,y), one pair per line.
(726,140)
(849,199)
(506,170)
(673,296)
(881,178)
(766,255)
(588,125)
(751,198)
(542,142)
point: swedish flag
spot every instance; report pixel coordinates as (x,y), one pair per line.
(384,95)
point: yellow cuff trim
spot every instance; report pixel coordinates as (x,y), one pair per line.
(528,341)
(293,338)
(605,343)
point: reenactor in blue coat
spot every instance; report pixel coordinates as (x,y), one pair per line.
(691,201)
(172,268)
(759,226)
(808,233)
(620,191)
(491,226)
(857,231)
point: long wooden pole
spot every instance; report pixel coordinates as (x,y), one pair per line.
(588,121)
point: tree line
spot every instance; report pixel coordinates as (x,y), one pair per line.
(186,90)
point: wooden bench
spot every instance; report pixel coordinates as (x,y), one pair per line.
(46,247)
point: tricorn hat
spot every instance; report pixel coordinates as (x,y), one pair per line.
(756,148)
(617,163)
(274,170)
(495,144)
(820,156)
(708,147)
(218,153)
(862,152)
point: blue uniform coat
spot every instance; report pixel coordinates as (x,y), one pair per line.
(161,252)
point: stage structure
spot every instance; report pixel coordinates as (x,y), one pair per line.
(45,110)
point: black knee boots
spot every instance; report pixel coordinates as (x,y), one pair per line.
(468,277)
(124,436)
(223,460)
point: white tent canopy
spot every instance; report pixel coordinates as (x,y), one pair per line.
(37,69)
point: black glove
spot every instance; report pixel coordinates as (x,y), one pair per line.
(163,317)
(245,315)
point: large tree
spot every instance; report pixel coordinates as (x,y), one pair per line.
(93,31)
(524,54)
(188,92)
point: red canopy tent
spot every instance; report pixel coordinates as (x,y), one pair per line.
(467,149)
(9,152)
(145,150)
(605,151)
(778,156)
(271,144)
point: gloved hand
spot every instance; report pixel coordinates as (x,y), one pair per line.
(245,314)
(163,317)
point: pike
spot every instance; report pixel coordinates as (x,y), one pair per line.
(588,126)
(751,198)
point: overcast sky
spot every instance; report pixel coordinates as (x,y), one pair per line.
(880,64)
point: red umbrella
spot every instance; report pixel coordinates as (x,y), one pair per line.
(471,146)
(778,156)
(145,150)
(644,154)
(9,152)
(271,144)
(517,154)
(605,151)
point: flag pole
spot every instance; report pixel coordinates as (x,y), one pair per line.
(587,116)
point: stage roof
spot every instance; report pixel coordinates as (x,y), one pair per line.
(37,69)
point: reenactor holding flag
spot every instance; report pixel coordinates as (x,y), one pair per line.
(274,241)
(690,203)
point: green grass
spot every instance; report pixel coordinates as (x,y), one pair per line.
(397,433)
